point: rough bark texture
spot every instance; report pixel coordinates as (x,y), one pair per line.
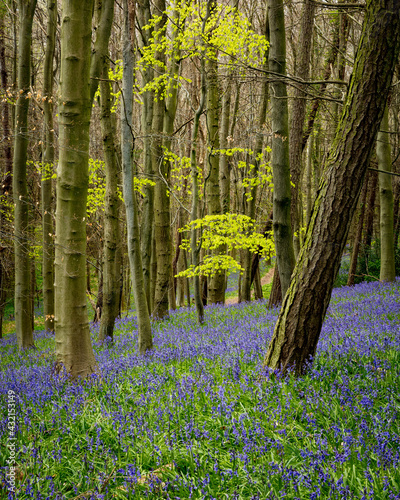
(111,266)
(73,346)
(280,146)
(48,162)
(303,310)
(384,155)
(145,340)
(298,115)
(22,302)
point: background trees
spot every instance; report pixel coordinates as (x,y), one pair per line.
(209,99)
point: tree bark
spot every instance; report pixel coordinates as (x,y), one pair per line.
(145,340)
(297,331)
(216,282)
(280,147)
(298,115)
(143,16)
(48,169)
(384,155)
(111,266)
(162,232)
(357,239)
(73,345)
(22,302)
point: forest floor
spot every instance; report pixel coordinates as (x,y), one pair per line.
(199,417)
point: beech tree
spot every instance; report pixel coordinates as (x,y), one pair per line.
(73,346)
(23,305)
(303,310)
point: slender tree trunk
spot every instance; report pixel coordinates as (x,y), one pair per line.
(303,310)
(48,169)
(280,147)
(22,303)
(145,340)
(298,115)
(247,277)
(73,346)
(111,216)
(384,155)
(144,15)
(194,245)
(357,239)
(162,232)
(216,283)
(329,64)
(5,175)
(369,223)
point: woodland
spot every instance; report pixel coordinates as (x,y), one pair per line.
(199,244)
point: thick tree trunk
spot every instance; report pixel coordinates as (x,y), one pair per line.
(22,302)
(303,310)
(298,115)
(280,146)
(145,340)
(48,169)
(73,346)
(111,269)
(384,155)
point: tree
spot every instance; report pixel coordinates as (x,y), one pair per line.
(47,170)
(22,303)
(111,261)
(384,155)
(73,346)
(280,146)
(145,341)
(303,310)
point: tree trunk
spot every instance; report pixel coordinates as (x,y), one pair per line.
(369,223)
(280,146)
(297,331)
(111,270)
(73,345)
(144,15)
(357,239)
(298,115)
(384,155)
(5,175)
(22,302)
(250,204)
(48,169)
(162,232)
(216,282)
(145,340)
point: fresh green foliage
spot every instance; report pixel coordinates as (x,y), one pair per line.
(227,34)
(228,231)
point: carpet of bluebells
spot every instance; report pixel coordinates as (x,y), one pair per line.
(198,418)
